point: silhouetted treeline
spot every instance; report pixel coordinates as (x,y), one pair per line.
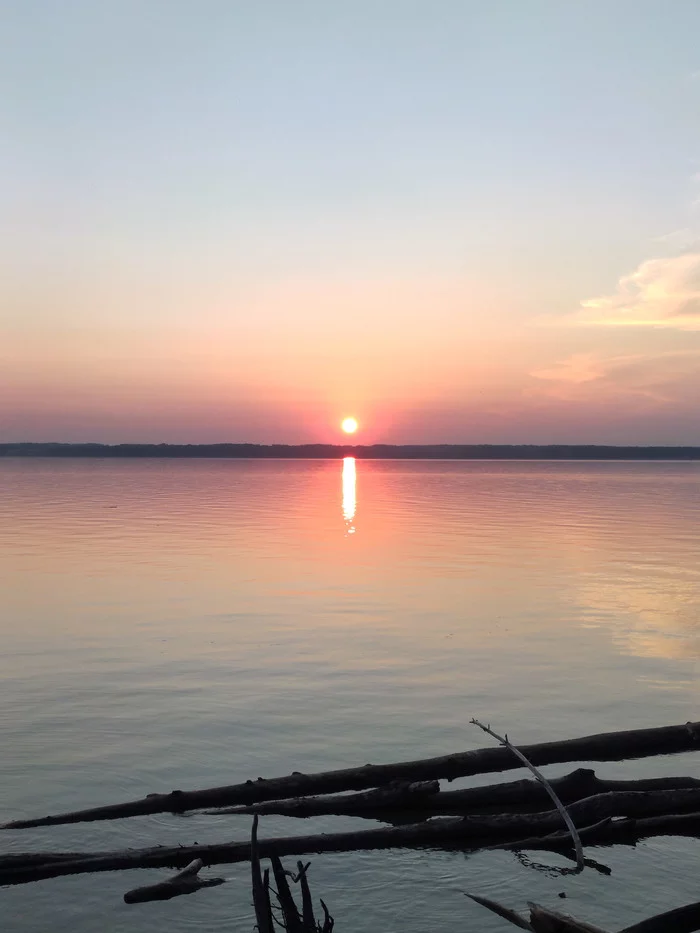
(372,452)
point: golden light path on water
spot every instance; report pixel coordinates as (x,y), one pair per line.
(349,492)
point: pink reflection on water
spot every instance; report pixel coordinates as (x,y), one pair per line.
(349,493)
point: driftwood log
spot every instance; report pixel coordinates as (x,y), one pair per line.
(185,882)
(610,746)
(543,920)
(467,833)
(293,920)
(404,802)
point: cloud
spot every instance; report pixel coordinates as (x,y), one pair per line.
(662,379)
(661,293)
(581,367)
(677,240)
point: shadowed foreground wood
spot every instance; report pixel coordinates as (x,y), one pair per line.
(447,832)
(543,920)
(610,746)
(408,802)
(185,882)
(293,920)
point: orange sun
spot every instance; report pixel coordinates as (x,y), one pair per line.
(349,425)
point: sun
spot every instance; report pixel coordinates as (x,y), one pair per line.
(349,425)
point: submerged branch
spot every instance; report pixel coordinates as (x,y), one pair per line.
(185,882)
(610,746)
(543,920)
(393,803)
(467,833)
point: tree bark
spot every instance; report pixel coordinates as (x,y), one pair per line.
(543,920)
(468,833)
(405,803)
(185,882)
(608,746)
(681,920)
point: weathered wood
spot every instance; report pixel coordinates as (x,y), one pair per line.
(467,833)
(610,746)
(261,896)
(501,911)
(307,914)
(556,842)
(185,882)
(681,920)
(564,813)
(543,920)
(390,805)
(290,914)
(399,795)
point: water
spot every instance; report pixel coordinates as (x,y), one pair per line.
(179,624)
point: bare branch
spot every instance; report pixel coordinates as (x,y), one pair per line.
(503,740)
(544,920)
(502,911)
(261,897)
(681,920)
(184,882)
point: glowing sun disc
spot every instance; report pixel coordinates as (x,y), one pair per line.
(349,425)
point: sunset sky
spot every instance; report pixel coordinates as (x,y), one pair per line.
(456,221)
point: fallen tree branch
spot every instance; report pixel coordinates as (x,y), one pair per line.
(306,901)
(399,795)
(185,882)
(503,740)
(419,800)
(610,746)
(468,834)
(500,910)
(543,920)
(681,920)
(261,890)
(554,842)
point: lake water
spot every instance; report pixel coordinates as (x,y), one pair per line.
(180,624)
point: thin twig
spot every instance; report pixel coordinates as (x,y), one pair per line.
(503,740)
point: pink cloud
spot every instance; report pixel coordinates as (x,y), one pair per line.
(663,292)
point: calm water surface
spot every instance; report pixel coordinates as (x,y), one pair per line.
(182,624)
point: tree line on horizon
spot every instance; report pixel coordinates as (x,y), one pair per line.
(361,451)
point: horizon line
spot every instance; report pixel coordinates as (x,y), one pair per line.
(320,451)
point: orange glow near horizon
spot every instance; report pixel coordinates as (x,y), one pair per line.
(349,425)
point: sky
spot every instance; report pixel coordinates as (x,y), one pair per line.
(456,221)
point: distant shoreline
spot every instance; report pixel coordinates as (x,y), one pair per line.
(361,452)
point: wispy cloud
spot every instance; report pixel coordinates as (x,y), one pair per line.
(581,367)
(662,292)
(677,240)
(671,378)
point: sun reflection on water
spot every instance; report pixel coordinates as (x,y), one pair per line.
(349,493)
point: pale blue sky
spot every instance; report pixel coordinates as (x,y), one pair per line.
(398,191)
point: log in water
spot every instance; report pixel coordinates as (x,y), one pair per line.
(468,833)
(607,746)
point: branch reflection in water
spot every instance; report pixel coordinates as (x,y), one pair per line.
(349,494)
